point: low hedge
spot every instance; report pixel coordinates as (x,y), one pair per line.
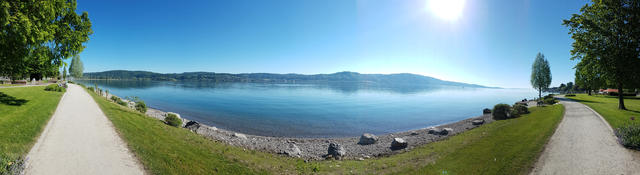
(173,120)
(629,136)
(55,87)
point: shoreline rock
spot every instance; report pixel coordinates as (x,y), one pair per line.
(317,148)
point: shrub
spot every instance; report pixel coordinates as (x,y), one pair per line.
(629,136)
(173,120)
(549,101)
(54,87)
(520,109)
(570,95)
(501,111)
(548,96)
(91,88)
(140,106)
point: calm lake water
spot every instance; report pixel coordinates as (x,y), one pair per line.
(314,110)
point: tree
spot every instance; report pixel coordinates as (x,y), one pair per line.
(540,74)
(64,73)
(588,77)
(36,36)
(569,86)
(76,68)
(606,37)
(562,87)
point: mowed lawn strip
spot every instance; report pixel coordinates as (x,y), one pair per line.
(502,147)
(164,149)
(607,106)
(24,112)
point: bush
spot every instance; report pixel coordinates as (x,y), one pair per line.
(520,109)
(629,136)
(548,96)
(54,87)
(501,111)
(570,95)
(549,101)
(123,103)
(91,88)
(173,120)
(140,106)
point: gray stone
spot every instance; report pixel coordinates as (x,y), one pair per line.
(367,139)
(446,131)
(336,151)
(238,135)
(486,111)
(435,131)
(399,143)
(192,125)
(293,151)
(477,122)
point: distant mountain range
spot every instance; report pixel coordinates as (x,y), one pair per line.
(379,79)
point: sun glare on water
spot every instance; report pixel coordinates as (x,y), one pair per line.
(450,10)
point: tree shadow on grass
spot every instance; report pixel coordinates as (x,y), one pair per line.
(10,100)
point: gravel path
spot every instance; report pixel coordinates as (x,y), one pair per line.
(79,139)
(584,144)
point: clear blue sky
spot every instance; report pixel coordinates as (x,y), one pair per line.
(492,42)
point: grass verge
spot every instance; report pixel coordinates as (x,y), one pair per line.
(24,112)
(502,147)
(607,106)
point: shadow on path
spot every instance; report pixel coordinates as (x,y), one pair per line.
(10,100)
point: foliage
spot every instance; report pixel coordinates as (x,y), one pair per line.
(91,89)
(570,95)
(64,72)
(21,124)
(540,74)
(173,120)
(629,136)
(35,37)
(606,41)
(501,111)
(76,68)
(520,109)
(549,101)
(55,87)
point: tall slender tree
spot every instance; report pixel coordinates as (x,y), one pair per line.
(540,74)
(64,72)
(606,36)
(76,68)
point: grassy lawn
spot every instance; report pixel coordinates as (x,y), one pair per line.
(24,112)
(7,85)
(502,147)
(607,106)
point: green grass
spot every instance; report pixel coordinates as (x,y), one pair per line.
(502,147)
(24,111)
(607,106)
(8,85)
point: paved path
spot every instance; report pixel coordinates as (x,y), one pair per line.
(584,144)
(79,139)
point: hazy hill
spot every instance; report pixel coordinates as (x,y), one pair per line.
(383,79)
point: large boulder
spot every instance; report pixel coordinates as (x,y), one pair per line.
(399,143)
(477,122)
(367,139)
(446,131)
(192,125)
(293,151)
(434,131)
(336,151)
(240,136)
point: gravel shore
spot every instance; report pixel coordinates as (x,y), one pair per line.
(316,148)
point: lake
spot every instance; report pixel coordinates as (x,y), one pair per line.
(313,110)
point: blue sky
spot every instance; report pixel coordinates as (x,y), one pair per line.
(492,42)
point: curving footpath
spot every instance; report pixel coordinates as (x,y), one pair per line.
(584,144)
(79,139)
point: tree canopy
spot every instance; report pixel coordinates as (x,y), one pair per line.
(36,36)
(540,74)
(606,37)
(76,68)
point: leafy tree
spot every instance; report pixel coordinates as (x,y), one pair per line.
(562,87)
(540,74)
(36,36)
(607,37)
(588,77)
(76,68)
(569,86)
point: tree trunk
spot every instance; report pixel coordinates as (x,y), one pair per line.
(620,97)
(539,94)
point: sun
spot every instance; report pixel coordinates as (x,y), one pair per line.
(450,10)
